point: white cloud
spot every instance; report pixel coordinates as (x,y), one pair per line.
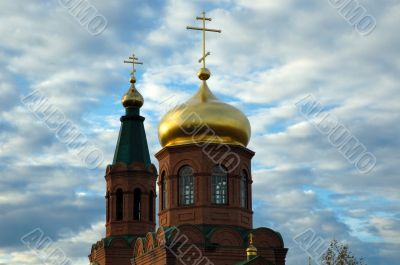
(268,56)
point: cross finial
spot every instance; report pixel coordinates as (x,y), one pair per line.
(251,238)
(251,250)
(204,29)
(133,60)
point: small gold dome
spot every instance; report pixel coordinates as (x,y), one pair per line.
(132,97)
(203,118)
(251,251)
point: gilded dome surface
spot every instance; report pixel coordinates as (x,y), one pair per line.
(203,118)
(132,98)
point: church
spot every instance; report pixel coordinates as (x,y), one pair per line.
(204,184)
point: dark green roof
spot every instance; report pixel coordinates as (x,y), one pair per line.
(127,238)
(106,242)
(132,143)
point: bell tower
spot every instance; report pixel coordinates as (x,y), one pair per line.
(130,185)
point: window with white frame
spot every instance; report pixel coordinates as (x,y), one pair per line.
(243,189)
(219,183)
(186,186)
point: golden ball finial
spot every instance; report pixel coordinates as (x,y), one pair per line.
(204,74)
(132,80)
(132,97)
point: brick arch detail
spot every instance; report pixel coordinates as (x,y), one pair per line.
(191,232)
(118,186)
(166,170)
(246,169)
(140,186)
(152,169)
(266,237)
(183,162)
(226,236)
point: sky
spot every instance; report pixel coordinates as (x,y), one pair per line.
(271,60)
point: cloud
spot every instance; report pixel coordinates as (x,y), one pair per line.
(269,56)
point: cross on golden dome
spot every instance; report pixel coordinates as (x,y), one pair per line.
(251,250)
(132,98)
(227,124)
(204,74)
(133,60)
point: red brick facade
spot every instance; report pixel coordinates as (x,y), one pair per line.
(128,179)
(121,233)
(196,231)
(202,158)
(188,244)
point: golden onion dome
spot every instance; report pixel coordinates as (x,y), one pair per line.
(132,98)
(203,118)
(251,250)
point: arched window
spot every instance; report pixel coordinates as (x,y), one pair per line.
(137,194)
(119,203)
(219,183)
(163,191)
(186,196)
(151,206)
(108,206)
(244,193)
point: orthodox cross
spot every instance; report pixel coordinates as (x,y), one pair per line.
(204,29)
(133,60)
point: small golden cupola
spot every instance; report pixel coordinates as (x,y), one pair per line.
(251,251)
(132,98)
(204,118)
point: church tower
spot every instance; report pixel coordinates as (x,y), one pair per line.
(130,185)
(205,186)
(205,167)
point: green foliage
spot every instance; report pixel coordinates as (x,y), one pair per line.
(339,254)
